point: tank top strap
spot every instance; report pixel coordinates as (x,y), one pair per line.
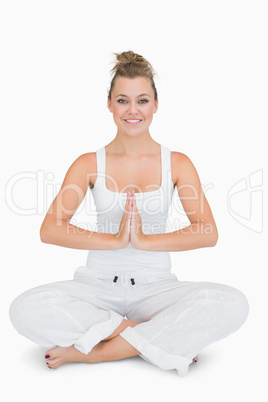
(166,167)
(100,155)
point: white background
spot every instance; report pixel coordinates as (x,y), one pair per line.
(211,61)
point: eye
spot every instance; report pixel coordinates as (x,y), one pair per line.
(121,101)
(144,101)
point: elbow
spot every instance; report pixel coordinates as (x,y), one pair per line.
(214,237)
(45,233)
(49,231)
(214,241)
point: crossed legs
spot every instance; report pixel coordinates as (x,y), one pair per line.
(111,348)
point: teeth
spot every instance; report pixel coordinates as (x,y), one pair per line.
(133,121)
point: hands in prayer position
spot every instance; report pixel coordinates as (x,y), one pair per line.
(130,230)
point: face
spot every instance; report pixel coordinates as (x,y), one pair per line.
(132,104)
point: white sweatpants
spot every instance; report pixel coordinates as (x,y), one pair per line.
(178,319)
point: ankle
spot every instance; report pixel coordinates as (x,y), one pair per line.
(96,354)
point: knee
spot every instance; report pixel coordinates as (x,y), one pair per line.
(240,306)
(23,310)
(231,303)
(16,311)
(234,306)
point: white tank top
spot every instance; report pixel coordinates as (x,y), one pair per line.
(153,207)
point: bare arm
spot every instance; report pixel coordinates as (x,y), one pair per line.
(202,231)
(56,228)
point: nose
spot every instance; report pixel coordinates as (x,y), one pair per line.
(133,108)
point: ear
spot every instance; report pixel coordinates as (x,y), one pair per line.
(155,106)
(109,104)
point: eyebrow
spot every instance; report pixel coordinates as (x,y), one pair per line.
(137,96)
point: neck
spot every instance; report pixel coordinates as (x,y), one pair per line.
(133,146)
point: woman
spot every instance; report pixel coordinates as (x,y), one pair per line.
(125,301)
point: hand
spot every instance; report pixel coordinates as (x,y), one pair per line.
(123,235)
(137,237)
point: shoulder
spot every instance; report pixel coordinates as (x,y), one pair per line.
(86,161)
(179,157)
(84,166)
(181,166)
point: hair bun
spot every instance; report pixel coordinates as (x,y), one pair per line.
(130,57)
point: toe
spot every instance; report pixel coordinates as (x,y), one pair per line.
(54,363)
(48,363)
(52,353)
(47,355)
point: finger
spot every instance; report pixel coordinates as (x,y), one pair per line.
(134,207)
(128,202)
(132,224)
(133,220)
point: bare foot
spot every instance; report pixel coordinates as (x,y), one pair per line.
(195,359)
(59,355)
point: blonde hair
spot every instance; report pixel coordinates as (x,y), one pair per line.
(131,65)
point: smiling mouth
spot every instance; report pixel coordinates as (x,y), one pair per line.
(132,122)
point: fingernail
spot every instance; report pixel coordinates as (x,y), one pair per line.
(47,357)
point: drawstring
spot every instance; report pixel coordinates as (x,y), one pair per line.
(115,280)
(132,281)
(123,280)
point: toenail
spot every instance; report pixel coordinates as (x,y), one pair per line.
(47,357)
